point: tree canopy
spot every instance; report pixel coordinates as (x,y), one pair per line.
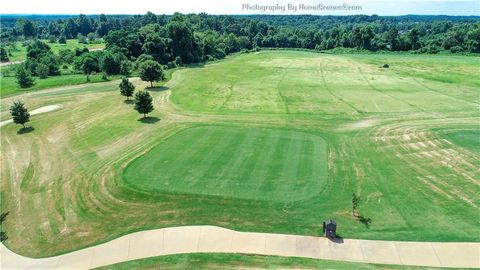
(24,79)
(151,71)
(196,37)
(126,88)
(19,113)
(143,103)
(172,40)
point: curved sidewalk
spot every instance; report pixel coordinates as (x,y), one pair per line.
(194,239)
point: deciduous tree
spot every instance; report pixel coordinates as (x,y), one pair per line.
(151,71)
(126,88)
(19,113)
(413,36)
(24,78)
(143,103)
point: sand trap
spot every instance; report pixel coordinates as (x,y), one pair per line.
(40,110)
(362,124)
(45,109)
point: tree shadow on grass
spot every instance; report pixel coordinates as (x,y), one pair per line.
(130,101)
(196,65)
(157,88)
(149,120)
(24,130)
(365,221)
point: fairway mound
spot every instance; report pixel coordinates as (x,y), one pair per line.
(246,163)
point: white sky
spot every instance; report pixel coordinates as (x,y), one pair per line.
(380,7)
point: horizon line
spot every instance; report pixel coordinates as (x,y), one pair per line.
(224,14)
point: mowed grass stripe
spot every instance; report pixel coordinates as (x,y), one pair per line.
(277,168)
(305,165)
(197,153)
(246,163)
(209,148)
(319,162)
(290,166)
(171,165)
(267,152)
(251,160)
(230,181)
(219,153)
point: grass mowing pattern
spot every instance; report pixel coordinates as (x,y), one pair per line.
(307,83)
(245,163)
(466,138)
(386,141)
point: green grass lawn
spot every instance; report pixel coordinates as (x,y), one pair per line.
(9,85)
(246,163)
(349,85)
(19,53)
(243,143)
(212,261)
(467,138)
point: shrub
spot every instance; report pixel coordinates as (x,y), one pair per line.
(456,49)
(24,78)
(62,40)
(3,54)
(178,61)
(42,71)
(171,65)
(82,39)
(92,38)
(52,39)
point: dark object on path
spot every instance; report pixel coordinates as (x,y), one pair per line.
(385,66)
(330,228)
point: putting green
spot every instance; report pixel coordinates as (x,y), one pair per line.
(246,163)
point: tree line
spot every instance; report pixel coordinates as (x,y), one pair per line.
(200,37)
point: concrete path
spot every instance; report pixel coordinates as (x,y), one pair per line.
(195,239)
(40,110)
